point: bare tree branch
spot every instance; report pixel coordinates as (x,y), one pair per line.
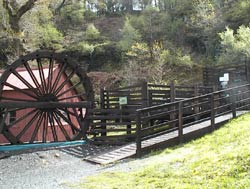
(26,7)
(7,6)
(14,18)
(58,9)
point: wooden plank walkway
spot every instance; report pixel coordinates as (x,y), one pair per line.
(129,150)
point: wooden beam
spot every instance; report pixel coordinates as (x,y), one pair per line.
(45,105)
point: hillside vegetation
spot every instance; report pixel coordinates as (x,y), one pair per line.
(217,160)
(154,40)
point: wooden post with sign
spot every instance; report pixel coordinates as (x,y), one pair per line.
(123,101)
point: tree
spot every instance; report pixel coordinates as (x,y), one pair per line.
(152,25)
(237,13)
(13,12)
(129,36)
(92,34)
(167,65)
(72,14)
(202,22)
(235,48)
(137,68)
(16,14)
(60,6)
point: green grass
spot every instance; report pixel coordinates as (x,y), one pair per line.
(219,160)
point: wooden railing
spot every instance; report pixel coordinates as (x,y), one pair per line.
(160,94)
(175,116)
(115,123)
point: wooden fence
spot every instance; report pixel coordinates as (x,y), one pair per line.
(187,112)
(115,121)
(145,95)
(238,74)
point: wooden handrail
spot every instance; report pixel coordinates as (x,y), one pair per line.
(191,99)
(237,98)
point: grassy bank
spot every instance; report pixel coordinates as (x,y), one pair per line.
(218,160)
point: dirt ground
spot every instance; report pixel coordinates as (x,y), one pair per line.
(51,169)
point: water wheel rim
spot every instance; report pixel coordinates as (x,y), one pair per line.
(45,91)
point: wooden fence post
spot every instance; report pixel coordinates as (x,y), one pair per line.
(212,111)
(102,106)
(172,92)
(247,71)
(102,98)
(172,99)
(180,130)
(216,97)
(138,134)
(233,104)
(144,90)
(145,99)
(196,106)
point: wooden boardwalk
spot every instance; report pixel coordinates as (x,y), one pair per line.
(129,150)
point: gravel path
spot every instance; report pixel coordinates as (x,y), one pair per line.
(51,169)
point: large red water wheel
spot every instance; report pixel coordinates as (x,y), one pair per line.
(41,99)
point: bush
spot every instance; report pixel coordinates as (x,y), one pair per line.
(235,47)
(92,33)
(73,13)
(50,37)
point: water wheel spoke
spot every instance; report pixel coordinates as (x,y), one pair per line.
(20,90)
(42,76)
(35,132)
(33,77)
(50,76)
(11,109)
(26,82)
(65,82)
(80,120)
(23,117)
(68,116)
(67,120)
(59,123)
(73,96)
(67,111)
(45,127)
(10,137)
(83,125)
(58,77)
(72,88)
(27,126)
(52,126)
(79,116)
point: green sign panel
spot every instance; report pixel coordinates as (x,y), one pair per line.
(123,100)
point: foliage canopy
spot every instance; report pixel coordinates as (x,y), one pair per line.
(185,32)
